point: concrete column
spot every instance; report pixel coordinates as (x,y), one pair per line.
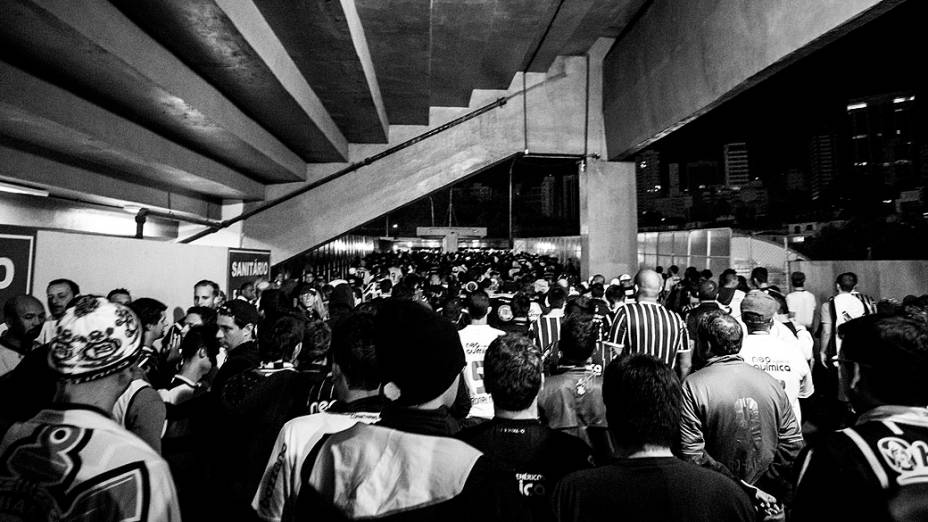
(608,219)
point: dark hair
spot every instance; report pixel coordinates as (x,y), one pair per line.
(117,291)
(207,314)
(286,332)
(317,339)
(893,353)
(708,290)
(706,274)
(353,351)
(578,337)
(207,282)
(727,277)
(759,274)
(386,285)
(643,399)
(615,293)
(597,291)
(512,372)
(200,336)
(148,310)
(76,290)
(478,304)
(718,334)
(846,281)
(520,305)
(556,296)
(797,279)
(246,284)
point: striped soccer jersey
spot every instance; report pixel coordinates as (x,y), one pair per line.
(650,328)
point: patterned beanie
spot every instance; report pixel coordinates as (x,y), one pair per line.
(93,339)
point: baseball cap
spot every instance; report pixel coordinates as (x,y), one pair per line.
(94,338)
(418,351)
(242,311)
(625,277)
(759,303)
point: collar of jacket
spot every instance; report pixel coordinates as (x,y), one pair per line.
(424,422)
(724,359)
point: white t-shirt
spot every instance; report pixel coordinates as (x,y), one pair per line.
(9,360)
(801,304)
(475,339)
(735,303)
(847,307)
(783,362)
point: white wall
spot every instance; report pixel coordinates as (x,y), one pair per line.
(163,271)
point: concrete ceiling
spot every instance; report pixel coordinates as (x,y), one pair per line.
(219,98)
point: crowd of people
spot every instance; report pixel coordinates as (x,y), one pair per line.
(480,385)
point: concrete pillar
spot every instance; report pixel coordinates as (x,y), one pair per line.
(608,219)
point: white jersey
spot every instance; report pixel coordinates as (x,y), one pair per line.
(783,362)
(475,339)
(847,307)
(280,485)
(77,464)
(801,305)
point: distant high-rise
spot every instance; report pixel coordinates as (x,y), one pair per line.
(737,170)
(883,147)
(821,163)
(648,174)
(673,179)
(795,180)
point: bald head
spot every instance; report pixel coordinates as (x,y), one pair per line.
(649,283)
(25,316)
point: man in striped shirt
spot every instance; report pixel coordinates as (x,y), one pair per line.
(546,330)
(647,327)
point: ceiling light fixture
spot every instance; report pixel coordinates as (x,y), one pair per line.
(22,189)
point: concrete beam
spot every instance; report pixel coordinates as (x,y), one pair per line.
(93,49)
(682,59)
(556,125)
(398,36)
(327,44)
(36,112)
(80,183)
(233,47)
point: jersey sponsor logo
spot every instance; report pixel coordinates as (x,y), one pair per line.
(909,460)
(504,312)
(770,365)
(531,484)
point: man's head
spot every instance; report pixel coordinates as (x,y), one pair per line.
(419,354)
(759,277)
(478,305)
(120,296)
(846,282)
(598,279)
(757,310)
(247,290)
(206,293)
(643,398)
(199,347)
(649,284)
(578,338)
(798,279)
(151,316)
(718,334)
(60,292)
(237,321)
(306,295)
(512,372)
(199,315)
(95,339)
(354,354)
(884,360)
(557,296)
(25,316)
(520,305)
(707,291)
(728,279)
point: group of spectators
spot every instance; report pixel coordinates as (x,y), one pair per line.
(468,386)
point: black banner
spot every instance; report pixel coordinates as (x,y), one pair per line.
(17,255)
